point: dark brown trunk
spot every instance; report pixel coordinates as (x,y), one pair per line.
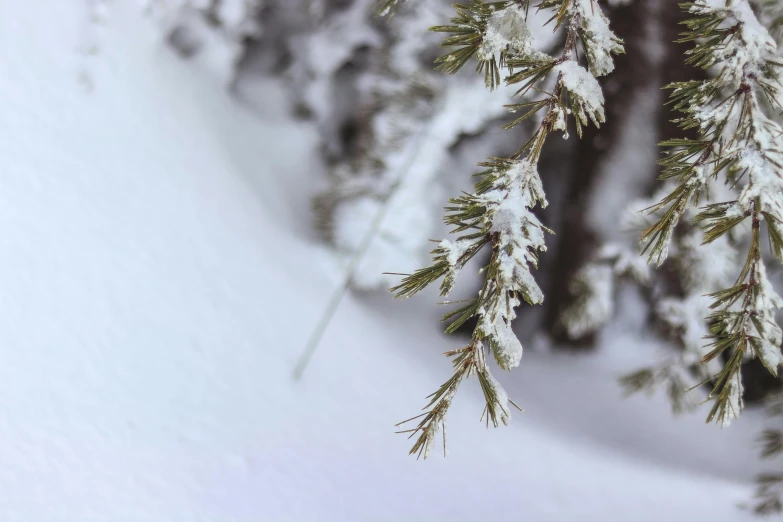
(576,241)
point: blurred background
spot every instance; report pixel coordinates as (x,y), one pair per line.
(185,186)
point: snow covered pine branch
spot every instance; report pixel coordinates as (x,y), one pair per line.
(737,139)
(679,297)
(498,213)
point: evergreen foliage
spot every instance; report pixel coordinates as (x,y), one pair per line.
(698,270)
(705,223)
(738,140)
(405,122)
(498,213)
(712,231)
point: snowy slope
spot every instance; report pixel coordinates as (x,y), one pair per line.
(158,282)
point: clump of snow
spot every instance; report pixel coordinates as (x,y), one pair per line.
(522,177)
(503,341)
(599,40)
(559,120)
(519,235)
(507,30)
(759,155)
(453,252)
(767,342)
(734,403)
(761,160)
(749,53)
(583,86)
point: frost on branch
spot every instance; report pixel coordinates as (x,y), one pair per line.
(506,31)
(518,236)
(498,214)
(602,43)
(737,141)
(768,336)
(586,95)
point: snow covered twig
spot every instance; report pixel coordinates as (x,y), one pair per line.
(498,214)
(737,139)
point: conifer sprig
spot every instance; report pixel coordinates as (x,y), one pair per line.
(738,140)
(498,212)
(488,32)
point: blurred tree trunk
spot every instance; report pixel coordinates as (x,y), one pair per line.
(650,63)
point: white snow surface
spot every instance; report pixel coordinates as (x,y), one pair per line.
(157,287)
(217,46)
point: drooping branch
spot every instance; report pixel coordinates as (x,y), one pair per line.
(498,213)
(738,141)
